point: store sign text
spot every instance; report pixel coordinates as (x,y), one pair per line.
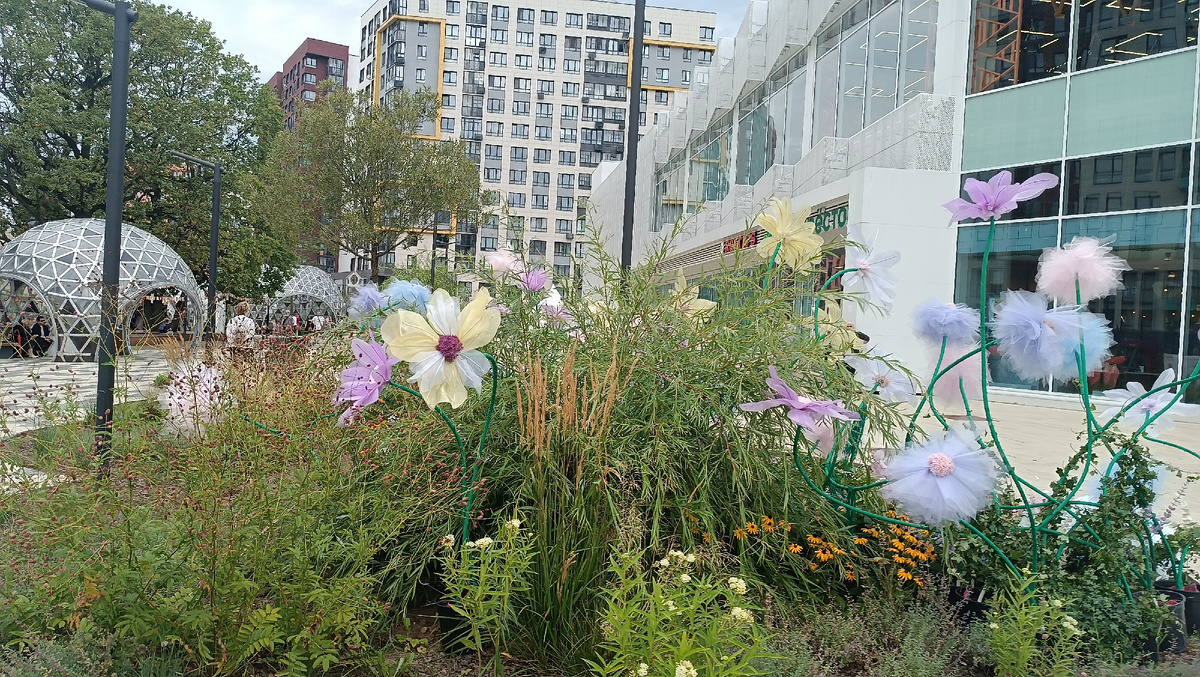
(831,218)
(744,241)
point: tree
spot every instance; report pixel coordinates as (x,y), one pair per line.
(186,93)
(362,176)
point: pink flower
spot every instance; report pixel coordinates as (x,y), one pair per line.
(557,313)
(801,410)
(363,380)
(998,196)
(503,262)
(533,280)
(1084,261)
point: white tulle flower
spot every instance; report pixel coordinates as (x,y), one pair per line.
(868,270)
(1149,406)
(944,480)
(890,384)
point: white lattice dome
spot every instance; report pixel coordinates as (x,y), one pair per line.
(311,284)
(61,261)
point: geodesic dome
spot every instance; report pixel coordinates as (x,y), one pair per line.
(311,289)
(62,261)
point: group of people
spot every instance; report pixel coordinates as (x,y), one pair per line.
(28,336)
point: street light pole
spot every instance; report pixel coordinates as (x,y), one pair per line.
(631,135)
(213,235)
(114,200)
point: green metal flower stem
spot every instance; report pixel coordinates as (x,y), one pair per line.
(817,301)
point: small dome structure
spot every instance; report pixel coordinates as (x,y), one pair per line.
(60,261)
(310,291)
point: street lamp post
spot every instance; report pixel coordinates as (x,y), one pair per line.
(631,135)
(213,234)
(114,199)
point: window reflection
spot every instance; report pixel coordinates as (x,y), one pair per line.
(883,76)
(1041,206)
(1192,354)
(669,194)
(1144,179)
(708,171)
(1018,41)
(920,32)
(1119,30)
(852,83)
(825,106)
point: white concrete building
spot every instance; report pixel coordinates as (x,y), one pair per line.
(539,90)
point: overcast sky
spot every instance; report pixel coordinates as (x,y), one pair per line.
(268,31)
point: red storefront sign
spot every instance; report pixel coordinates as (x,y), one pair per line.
(743,241)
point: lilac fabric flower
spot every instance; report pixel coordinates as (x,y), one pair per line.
(1041,342)
(935,321)
(407,294)
(802,411)
(944,480)
(533,280)
(998,196)
(364,380)
(1084,261)
(366,300)
(1148,406)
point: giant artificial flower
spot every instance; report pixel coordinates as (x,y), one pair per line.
(503,262)
(802,411)
(998,196)
(948,478)
(192,397)
(867,270)
(841,335)
(1041,342)
(365,378)
(555,309)
(442,350)
(1149,406)
(1084,261)
(366,301)
(790,232)
(953,323)
(688,298)
(533,280)
(889,384)
(407,294)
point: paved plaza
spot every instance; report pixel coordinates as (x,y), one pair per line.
(28,385)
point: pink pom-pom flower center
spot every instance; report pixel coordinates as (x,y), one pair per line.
(449,346)
(940,464)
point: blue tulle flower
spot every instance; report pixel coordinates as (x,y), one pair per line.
(935,321)
(1041,342)
(944,480)
(407,295)
(366,300)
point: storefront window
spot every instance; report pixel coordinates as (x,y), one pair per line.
(1127,29)
(1042,206)
(1018,41)
(1144,179)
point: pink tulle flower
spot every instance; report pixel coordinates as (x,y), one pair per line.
(1084,260)
(533,280)
(944,480)
(364,379)
(998,196)
(964,377)
(503,262)
(802,411)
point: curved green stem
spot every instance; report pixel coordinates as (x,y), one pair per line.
(817,301)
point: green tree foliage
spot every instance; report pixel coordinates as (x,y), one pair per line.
(362,176)
(186,93)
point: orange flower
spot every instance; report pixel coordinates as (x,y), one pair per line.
(838,551)
(824,555)
(904,575)
(918,581)
(813,566)
(788,528)
(795,549)
(814,540)
(768,524)
(738,534)
(860,541)
(850,576)
(706,537)
(751,528)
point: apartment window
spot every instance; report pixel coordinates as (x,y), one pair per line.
(523,61)
(567,135)
(516,200)
(491,174)
(545,110)
(566,157)
(452,31)
(645,75)
(495,129)
(518,154)
(516,245)
(563,270)
(540,202)
(549,18)
(500,36)
(708,33)
(422,52)
(664,29)
(562,226)
(424,5)
(477,33)
(308,95)
(537,247)
(574,20)
(422,29)
(520,131)
(516,177)
(566,180)
(543,133)
(704,58)
(566,203)
(447,124)
(541,179)
(420,76)
(646,27)
(309,79)
(452,7)
(662,74)
(546,64)
(487,244)
(570,65)
(520,108)
(570,112)
(545,87)
(562,248)
(498,59)
(662,98)
(541,156)
(495,105)
(570,89)
(524,39)
(500,13)
(472,125)
(450,78)
(537,224)
(310,62)
(664,52)
(516,224)
(362,74)
(585,181)
(524,16)
(580,249)
(497,81)
(521,84)
(450,54)
(493,152)
(685,77)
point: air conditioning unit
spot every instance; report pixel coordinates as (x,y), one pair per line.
(541,50)
(541,96)
(586,100)
(620,125)
(570,235)
(599,124)
(592,56)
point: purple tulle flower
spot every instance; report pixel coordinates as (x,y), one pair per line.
(944,480)
(366,300)
(533,280)
(363,380)
(801,410)
(1041,342)
(998,196)
(935,321)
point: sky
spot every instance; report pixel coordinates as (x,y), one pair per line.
(268,31)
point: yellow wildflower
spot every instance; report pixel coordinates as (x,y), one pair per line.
(791,238)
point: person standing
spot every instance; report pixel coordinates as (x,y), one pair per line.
(240,330)
(23,337)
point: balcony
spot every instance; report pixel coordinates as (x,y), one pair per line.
(474,89)
(472,112)
(473,65)
(476,19)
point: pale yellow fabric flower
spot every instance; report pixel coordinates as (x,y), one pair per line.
(839,333)
(442,351)
(689,298)
(791,232)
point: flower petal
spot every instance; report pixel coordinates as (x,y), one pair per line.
(407,334)
(443,313)
(478,324)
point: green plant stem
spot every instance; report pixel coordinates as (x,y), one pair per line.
(817,301)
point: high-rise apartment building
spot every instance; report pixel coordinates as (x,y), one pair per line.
(539,89)
(313,61)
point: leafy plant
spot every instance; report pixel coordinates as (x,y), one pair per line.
(1033,636)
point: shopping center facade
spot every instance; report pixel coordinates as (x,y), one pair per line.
(875,112)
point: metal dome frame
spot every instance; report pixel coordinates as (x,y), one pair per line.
(310,282)
(61,260)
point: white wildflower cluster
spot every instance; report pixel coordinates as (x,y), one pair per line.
(737,585)
(685,578)
(685,669)
(513,524)
(480,543)
(1071,625)
(642,670)
(741,615)
(671,607)
(447,541)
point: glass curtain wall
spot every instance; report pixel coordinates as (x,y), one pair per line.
(669,193)
(770,122)
(708,164)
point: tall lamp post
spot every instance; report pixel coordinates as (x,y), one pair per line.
(213,233)
(433,247)
(631,136)
(114,200)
